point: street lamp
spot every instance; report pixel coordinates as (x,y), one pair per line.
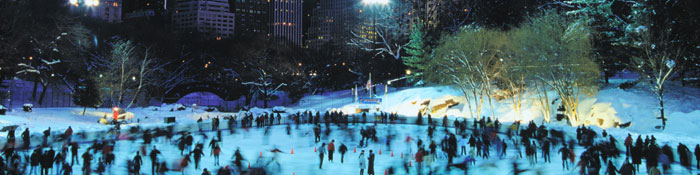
(408,71)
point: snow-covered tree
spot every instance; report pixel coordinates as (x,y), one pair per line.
(558,49)
(658,47)
(471,60)
(264,86)
(605,17)
(265,66)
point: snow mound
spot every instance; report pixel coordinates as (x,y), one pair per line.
(598,114)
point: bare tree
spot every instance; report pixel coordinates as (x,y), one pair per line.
(118,75)
(264,86)
(147,67)
(657,61)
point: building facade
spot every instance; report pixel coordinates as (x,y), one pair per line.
(286,21)
(209,17)
(333,23)
(251,17)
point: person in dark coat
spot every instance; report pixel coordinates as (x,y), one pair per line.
(611,170)
(342,151)
(147,137)
(627,168)
(370,163)
(684,156)
(697,155)
(47,161)
(545,151)
(34,160)
(11,136)
(67,169)
(668,153)
(137,161)
(87,157)
(652,156)
(25,138)
(58,161)
(197,154)
(47,133)
(564,157)
(154,159)
(637,153)
(74,153)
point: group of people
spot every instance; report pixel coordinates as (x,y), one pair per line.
(464,143)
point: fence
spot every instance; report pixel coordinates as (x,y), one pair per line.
(22,93)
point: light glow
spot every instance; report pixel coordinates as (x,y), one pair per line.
(380,2)
(92,3)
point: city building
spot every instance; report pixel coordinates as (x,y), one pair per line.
(308,7)
(333,22)
(251,17)
(139,14)
(131,6)
(209,17)
(286,21)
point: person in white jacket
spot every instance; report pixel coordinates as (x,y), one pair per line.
(363,162)
(463,142)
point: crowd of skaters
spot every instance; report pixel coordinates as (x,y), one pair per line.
(599,149)
(481,138)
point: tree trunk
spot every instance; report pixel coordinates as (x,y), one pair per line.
(265,94)
(661,104)
(36,83)
(248,98)
(607,77)
(682,76)
(43,94)
(84,107)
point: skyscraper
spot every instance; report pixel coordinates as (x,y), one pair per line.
(251,17)
(286,21)
(333,22)
(210,17)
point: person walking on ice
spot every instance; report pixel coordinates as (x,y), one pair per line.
(363,162)
(321,151)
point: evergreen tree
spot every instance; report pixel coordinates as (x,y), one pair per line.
(87,95)
(608,37)
(416,50)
